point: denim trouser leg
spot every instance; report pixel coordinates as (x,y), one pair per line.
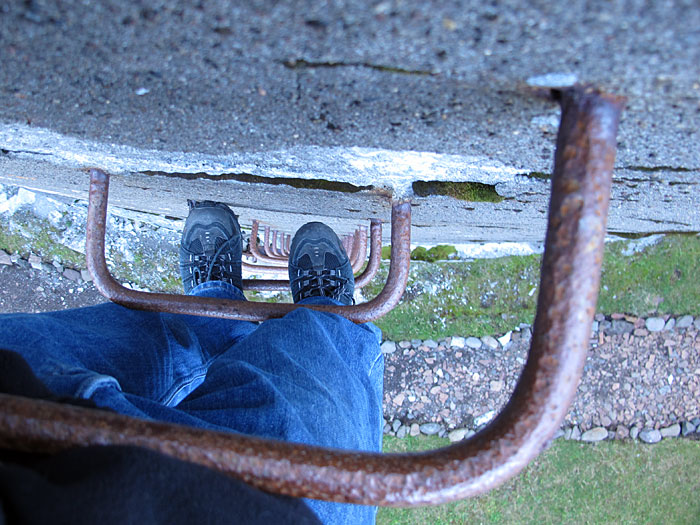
(309,377)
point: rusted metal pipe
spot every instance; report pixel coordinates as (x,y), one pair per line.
(255,251)
(228,309)
(375,254)
(566,302)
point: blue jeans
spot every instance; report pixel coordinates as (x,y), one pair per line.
(310,377)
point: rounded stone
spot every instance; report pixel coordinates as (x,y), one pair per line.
(430,429)
(655,324)
(473,342)
(650,435)
(457,435)
(388,347)
(595,434)
(684,322)
(671,431)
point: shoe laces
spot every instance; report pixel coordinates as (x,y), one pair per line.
(321,283)
(217,267)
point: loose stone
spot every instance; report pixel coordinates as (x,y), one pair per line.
(634,432)
(490,342)
(687,428)
(387,428)
(405,344)
(458,342)
(655,324)
(621,327)
(671,431)
(559,433)
(567,433)
(430,429)
(684,322)
(496,386)
(85,275)
(621,432)
(473,342)
(388,347)
(396,425)
(5,258)
(650,435)
(430,343)
(576,433)
(457,435)
(505,339)
(415,429)
(670,324)
(594,434)
(35,261)
(401,433)
(70,273)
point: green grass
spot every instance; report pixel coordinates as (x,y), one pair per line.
(441,252)
(619,482)
(490,296)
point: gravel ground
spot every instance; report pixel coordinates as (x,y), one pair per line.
(640,374)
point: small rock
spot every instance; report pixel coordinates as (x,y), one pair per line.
(605,326)
(655,324)
(526,335)
(634,432)
(594,434)
(396,425)
(575,433)
(611,435)
(559,433)
(696,323)
(35,261)
(650,435)
(388,347)
(458,342)
(405,344)
(5,258)
(671,431)
(670,325)
(473,342)
(567,433)
(496,386)
(599,317)
(687,428)
(430,343)
(401,432)
(415,429)
(430,429)
(620,327)
(484,418)
(696,421)
(490,342)
(684,322)
(641,332)
(594,327)
(416,342)
(387,428)
(73,275)
(58,266)
(621,432)
(85,275)
(457,435)
(505,339)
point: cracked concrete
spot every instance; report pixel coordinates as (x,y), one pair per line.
(366,93)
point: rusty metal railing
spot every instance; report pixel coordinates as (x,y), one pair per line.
(570,277)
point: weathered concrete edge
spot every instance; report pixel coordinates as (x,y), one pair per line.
(392,169)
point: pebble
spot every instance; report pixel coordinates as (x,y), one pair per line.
(35,262)
(684,322)
(405,344)
(387,428)
(396,425)
(430,343)
(5,258)
(505,339)
(415,429)
(696,323)
(484,418)
(496,386)
(650,435)
(73,275)
(457,435)
(621,432)
(401,432)
(575,433)
(655,324)
(388,347)
(567,433)
(634,432)
(458,342)
(473,342)
(58,266)
(671,431)
(430,429)
(687,428)
(594,434)
(490,342)
(621,327)
(669,324)
(85,275)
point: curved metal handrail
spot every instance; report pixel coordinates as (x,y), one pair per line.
(566,303)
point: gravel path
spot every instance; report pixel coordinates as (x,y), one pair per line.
(641,375)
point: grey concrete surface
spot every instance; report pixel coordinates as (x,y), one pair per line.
(349,91)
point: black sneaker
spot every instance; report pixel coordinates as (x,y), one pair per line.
(319,265)
(211,246)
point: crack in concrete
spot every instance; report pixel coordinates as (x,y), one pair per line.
(297,64)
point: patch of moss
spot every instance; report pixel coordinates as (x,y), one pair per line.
(465,191)
(386,252)
(441,252)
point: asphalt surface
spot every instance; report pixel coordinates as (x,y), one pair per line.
(182,83)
